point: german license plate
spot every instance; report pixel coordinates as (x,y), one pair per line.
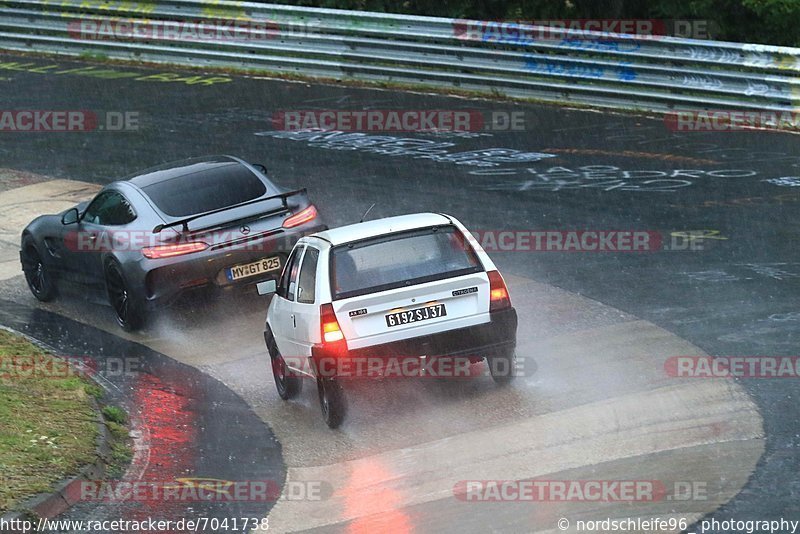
(415,316)
(266,265)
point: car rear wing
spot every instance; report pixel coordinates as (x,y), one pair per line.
(185,221)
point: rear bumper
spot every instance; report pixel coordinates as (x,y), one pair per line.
(473,342)
(165,281)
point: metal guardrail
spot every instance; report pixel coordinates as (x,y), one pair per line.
(642,72)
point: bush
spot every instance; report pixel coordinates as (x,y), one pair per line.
(756,21)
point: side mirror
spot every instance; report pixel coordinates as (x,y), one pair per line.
(260,167)
(267,288)
(70,216)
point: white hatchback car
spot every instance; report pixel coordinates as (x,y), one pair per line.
(417,286)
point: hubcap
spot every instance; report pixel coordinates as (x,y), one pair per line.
(118,293)
(278,367)
(36,275)
(324,397)
(39,276)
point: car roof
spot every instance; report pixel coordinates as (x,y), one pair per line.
(378,227)
(184,167)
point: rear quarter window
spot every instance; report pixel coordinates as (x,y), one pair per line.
(306,284)
(399,260)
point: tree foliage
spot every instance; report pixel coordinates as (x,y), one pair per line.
(756,21)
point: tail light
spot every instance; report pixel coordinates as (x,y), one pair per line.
(176,249)
(498,292)
(331,333)
(301,217)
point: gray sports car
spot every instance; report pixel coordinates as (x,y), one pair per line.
(215,222)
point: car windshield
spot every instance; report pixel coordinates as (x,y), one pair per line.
(206,190)
(399,260)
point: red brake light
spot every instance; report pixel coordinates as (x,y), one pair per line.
(331,333)
(177,249)
(301,217)
(498,292)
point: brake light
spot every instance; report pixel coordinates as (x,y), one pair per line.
(498,292)
(177,249)
(301,217)
(331,333)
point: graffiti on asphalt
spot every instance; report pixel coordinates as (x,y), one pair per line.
(387,145)
(779,271)
(785,317)
(602,177)
(784,181)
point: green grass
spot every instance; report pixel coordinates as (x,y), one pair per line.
(121,455)
(121,451)
(115,415)
(48,427)
(93,56)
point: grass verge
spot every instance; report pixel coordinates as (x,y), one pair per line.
(48,423)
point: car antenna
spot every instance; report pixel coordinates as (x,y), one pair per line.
(366,213)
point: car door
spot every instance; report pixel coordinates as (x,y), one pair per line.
(109,213)
(306,308)
(63,244)
(80,241)
(282,315)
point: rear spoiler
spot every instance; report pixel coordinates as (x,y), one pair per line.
(185,222)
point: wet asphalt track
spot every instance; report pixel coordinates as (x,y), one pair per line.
(736,297)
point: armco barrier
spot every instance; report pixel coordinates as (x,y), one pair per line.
(611,70)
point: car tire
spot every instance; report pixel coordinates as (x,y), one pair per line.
(502,366)
(38,276)
(332,401)
(127,307)
(288,386)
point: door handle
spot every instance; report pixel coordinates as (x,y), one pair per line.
(294,322)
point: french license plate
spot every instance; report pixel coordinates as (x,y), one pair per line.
(414,316)
(246,270)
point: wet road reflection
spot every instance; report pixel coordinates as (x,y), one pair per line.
(379,508)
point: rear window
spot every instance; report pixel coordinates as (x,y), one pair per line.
(206,190)
(399,260)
